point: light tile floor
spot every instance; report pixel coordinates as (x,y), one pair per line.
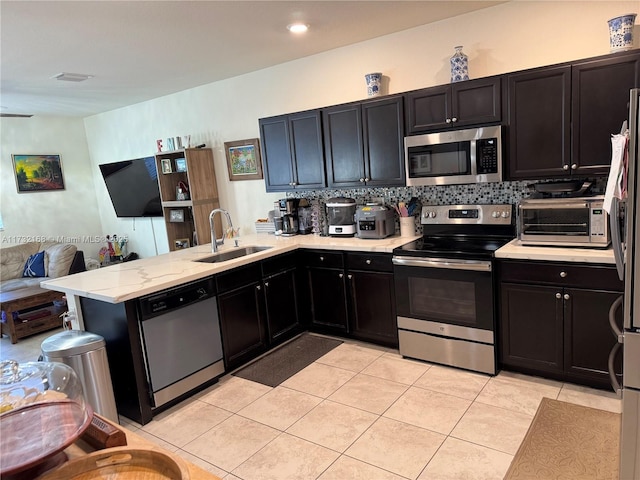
(359,412)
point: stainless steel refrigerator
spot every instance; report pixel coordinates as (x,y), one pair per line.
(627,250)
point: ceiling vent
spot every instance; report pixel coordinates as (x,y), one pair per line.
(72,77)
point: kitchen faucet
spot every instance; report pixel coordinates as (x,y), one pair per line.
(214,240)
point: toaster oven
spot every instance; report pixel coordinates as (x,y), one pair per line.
(571,222)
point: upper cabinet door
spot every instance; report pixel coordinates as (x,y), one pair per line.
(428,109)
(382,131)
(461,104)
(539,109)
(343,145)
(277,164)
(292,155)
(306,150)
(476,102)
(600,103)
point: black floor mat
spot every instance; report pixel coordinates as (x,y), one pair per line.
(286,361)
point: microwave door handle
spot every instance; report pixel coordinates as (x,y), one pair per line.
(614,225)
(537,206)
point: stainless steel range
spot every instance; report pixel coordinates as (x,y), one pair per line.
(445,296)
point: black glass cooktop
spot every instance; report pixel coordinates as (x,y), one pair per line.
(453,247)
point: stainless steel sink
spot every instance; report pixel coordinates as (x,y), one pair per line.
(231,254)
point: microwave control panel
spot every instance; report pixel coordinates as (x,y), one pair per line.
(487,155)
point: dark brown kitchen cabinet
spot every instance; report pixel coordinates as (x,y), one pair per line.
(372,298)
(473,102)
(292,151)
(554,320)
(363,143)
(327,291)
(560,118)
(539,118)
(280,281)
(242,315)
(600,92)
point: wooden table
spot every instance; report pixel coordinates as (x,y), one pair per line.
(23,298)
(80,448)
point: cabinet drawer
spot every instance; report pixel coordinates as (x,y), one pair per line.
(280,263)
(369,261)
(323,258)
(599,277)
(238,277)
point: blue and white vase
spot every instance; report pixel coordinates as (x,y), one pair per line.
(621,32)
(459,66)
(374,84)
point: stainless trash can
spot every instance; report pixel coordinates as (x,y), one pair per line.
(86,353)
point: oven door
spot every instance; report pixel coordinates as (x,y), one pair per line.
(452,292)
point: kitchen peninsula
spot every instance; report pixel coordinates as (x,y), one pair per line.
(180,307)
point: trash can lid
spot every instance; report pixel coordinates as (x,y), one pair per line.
(71,342)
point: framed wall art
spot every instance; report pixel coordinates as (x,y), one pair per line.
(243,159)
(37,173)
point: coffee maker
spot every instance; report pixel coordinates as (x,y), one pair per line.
(289,214)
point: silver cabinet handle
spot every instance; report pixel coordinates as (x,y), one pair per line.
(563,274)
(574,166)
(366,179)
(266,284)
(258,287)
(558,296)
(566,296)
(291,184)
(362,180)
(368,262)
(454,119)
(448,120)
(341,275)
(322,259)
(349,276)
(565,167)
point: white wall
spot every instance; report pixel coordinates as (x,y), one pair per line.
(508,37)
(70,214)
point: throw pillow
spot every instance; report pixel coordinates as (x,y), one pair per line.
(34,266)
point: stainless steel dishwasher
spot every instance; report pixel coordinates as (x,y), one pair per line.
(180,333)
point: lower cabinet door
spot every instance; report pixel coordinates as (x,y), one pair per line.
(282,306)
(588,338)
(373,307)
(242,321)
(328,299)
(531,324)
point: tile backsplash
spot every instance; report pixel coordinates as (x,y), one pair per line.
(469,194)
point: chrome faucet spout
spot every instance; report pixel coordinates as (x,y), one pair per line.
(218,241)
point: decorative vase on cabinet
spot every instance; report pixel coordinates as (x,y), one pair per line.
(459,66)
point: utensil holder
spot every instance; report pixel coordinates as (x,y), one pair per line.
(407,227)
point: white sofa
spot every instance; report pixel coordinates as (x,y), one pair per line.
(60,259)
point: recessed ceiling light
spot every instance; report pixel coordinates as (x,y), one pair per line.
(72,77)
(297,27)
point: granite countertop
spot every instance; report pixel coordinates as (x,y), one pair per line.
(125,281)
(515,250)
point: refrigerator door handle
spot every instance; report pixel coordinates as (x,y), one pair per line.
(618,251)
(615,384)
(617,332)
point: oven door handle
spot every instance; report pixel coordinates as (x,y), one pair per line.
(449,264)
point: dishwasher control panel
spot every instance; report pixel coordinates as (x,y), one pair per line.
(168,300)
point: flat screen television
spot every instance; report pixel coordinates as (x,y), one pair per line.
(133,187)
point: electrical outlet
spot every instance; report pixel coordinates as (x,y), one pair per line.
(379,200)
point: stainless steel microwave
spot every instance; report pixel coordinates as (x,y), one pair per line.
(455,157)
(569,222)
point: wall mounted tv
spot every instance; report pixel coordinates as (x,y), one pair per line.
(133,187)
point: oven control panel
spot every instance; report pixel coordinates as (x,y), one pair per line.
(467,214)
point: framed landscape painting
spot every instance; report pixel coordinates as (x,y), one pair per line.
(38,173)
(243,159)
